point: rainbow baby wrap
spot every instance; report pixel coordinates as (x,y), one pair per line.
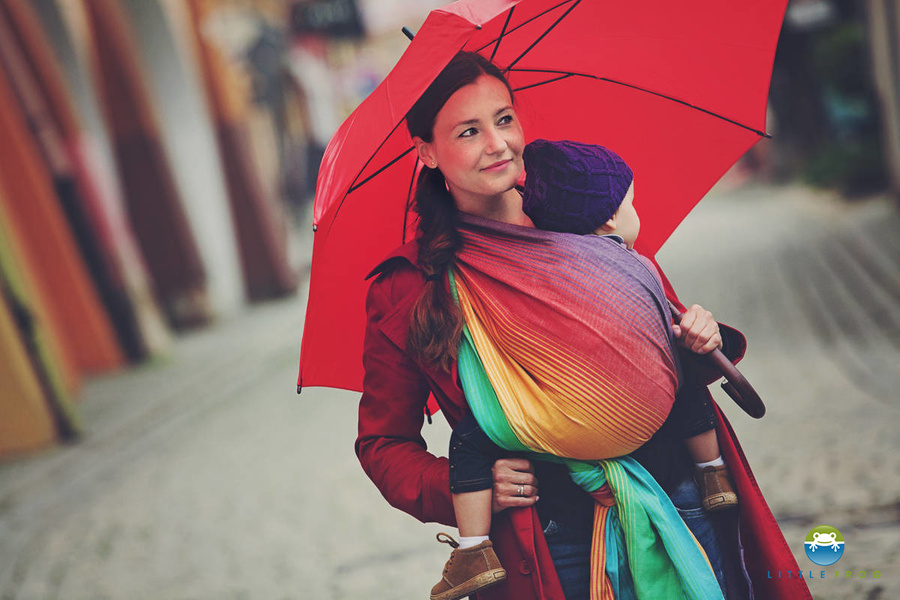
(567,353)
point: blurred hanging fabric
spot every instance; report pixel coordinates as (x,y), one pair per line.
(162,36)
(126,296)
(35,382)
(26,423)
(154,206)
(261,240)
(64,282)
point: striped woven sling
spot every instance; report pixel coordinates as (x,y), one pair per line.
(567,353)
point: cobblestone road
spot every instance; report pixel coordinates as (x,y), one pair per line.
(205,476)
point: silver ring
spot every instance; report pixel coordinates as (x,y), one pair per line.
(521,490)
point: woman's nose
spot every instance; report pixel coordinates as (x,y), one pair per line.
(496,142)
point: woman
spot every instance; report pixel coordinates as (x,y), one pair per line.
(467,134)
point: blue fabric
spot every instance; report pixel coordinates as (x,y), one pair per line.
(569,541)
(686,498)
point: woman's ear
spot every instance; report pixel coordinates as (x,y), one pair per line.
(426,155)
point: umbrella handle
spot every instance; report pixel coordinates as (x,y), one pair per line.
(735,384)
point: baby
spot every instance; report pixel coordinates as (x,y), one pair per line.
(587,190)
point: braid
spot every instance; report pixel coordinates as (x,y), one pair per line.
(435,320)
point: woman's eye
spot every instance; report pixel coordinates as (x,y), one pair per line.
(469,132)
(505,119)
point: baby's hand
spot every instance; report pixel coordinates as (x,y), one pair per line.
(698,330)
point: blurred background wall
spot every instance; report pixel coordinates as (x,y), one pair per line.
(159,158)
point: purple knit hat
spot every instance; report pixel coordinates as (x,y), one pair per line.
(573,187)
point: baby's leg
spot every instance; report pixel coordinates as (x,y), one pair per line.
(704,447)
(711,474)
(472,457)
(473,513)
(696,420)
(473,565)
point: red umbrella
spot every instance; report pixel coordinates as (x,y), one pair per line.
(679,90)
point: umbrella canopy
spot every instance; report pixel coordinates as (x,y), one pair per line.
(679,91)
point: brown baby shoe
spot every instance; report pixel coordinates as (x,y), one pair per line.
(716,489)
(468,570)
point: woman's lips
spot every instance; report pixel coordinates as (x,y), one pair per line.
(497,165)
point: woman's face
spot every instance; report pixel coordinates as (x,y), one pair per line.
(477,143)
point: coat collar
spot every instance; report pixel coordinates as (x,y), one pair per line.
(408,252)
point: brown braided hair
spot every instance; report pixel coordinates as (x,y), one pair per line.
(435,320)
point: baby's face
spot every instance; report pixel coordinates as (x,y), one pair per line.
(626,222)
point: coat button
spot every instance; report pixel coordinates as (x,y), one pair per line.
(525,567)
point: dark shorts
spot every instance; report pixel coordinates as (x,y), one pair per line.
(692,413)
(472,456)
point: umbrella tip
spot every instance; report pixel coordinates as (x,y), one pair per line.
(408,33)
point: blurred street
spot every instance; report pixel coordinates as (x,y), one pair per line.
(206,476)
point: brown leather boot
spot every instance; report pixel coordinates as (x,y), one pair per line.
(716,489)
(467,571)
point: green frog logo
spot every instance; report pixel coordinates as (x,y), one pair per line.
(824,545)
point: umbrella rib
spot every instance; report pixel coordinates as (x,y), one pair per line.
(354,187)
(524,23)
(381,170)
(543,35)
(526,87)
(502,33)
(566,74)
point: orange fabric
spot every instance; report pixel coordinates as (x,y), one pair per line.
(26,424)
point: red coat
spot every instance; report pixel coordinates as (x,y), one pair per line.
(393,453)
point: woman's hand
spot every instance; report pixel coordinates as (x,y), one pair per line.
(514,484)
(698,330)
